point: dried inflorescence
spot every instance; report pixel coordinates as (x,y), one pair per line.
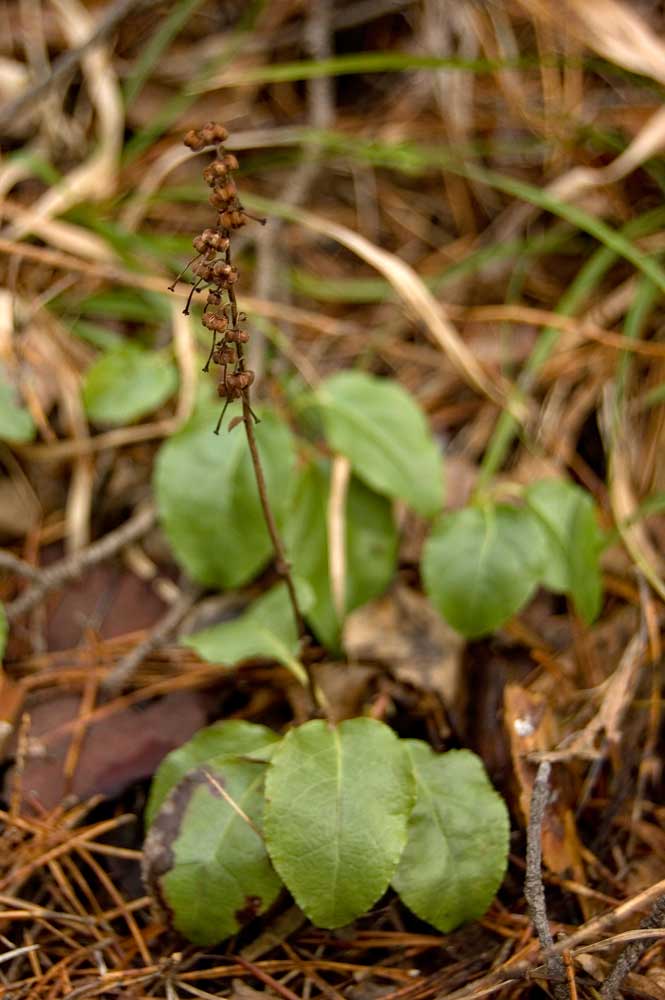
(214,271)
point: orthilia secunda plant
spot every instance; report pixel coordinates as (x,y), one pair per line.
(213,270)
(215,273)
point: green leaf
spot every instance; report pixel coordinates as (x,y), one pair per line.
(4,630)
(457,850)
(574,542)
(208,501)
(337,805)
(205,858)
(231,737)
(385,436)
(371,547)
(480,565)
(266,629)
(16,424)
(126,383)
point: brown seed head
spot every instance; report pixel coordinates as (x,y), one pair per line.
(237,336)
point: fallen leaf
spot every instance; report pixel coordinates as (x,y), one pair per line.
(403,631)
(531,727)
(116,751)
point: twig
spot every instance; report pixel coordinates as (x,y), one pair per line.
(632,953)
(73,566)
(20,567)
(534,890)
(127,666)
(30,98)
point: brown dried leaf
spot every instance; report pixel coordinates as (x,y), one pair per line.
(117,751)
(403,631)
(531,727)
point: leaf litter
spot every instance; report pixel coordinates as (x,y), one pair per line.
(564,99)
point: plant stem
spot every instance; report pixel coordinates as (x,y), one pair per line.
(282,564)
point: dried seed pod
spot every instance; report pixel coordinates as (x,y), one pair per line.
(203,270)
(224,354)
(226,389)
(215,172)
(218,200)
(213,321)
(230,161)
(228,191)
(217,131)
(237,336)
(214,298)
(233,219)
(244,379)
(194,140)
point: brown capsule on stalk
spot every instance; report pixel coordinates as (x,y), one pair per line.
(233,219)
(228,191)
(213,321)
(194,140)
(244,379)
(212,133)
(215,172)
(218,200)
(237,336)
(225,388)
(224,354)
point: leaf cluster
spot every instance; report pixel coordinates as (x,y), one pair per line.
(480,565)
(337,815)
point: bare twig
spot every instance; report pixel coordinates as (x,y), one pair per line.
(69,60)
(13,564)
(632,953)
(127,666)
(534,889)
(75,565)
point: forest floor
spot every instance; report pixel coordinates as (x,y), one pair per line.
(433,174)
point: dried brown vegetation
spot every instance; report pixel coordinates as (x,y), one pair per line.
(427,223)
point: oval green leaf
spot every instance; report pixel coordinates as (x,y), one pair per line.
(267,630)
(383,432)
(208,501)
(371,548)
(228,738)
(456,854)
(126,383)
(204,856)
(337,805)
(480,565)
(574,542)
(16,424)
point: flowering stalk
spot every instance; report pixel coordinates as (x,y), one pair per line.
(214,271)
